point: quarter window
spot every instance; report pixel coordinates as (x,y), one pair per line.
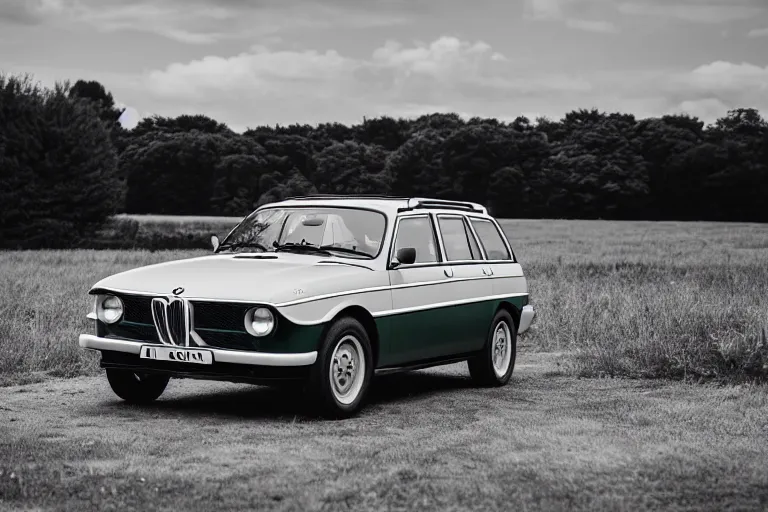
(417,232)
(459,243)
(489,236)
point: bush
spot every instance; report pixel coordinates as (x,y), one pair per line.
(158,232)
(58,168)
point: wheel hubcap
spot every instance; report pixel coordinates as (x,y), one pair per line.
(347,369)
(501,353)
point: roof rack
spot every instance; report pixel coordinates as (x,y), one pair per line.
(345,196)
(413,202)
(423,202)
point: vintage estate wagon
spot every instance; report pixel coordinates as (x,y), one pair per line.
(325,291)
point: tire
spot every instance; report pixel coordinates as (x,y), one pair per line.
(136,388)
(340,390)
(481,367)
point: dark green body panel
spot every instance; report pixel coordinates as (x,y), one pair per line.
(438,332)
(291,338)
(404,338)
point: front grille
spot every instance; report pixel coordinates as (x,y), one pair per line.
(171,319)
(219,324)
(220,315)
(159,318)
(222,325)
(178,321)
(138,309)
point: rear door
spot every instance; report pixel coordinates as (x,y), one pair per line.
(469,289)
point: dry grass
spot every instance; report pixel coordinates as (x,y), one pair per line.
(43,305)
(427,441)
(643,299)
(625,298)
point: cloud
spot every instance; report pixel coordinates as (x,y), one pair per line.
(705,108)
(206,21)
(571,12)
(258,73)
(28,12)
(739,84)
(695,11)
(448,74)
(544,9)
(758,32)
(603,27)
(444,58)
(312,86)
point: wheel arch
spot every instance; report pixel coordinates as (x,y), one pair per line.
(366,319)
(512,310)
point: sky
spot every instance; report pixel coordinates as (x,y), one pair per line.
(254,62)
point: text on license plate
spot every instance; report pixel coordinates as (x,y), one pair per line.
(177,355)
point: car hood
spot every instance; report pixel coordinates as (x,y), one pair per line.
(271,278)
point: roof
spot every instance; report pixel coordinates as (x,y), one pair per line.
(389,204)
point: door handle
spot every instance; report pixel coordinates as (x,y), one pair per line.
(488,271)
(448,271)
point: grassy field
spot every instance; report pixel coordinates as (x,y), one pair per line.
(678,300)
(624,299)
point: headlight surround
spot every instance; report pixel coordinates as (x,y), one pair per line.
(259,321)
(110,309)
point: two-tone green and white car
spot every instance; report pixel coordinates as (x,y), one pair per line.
(324,290)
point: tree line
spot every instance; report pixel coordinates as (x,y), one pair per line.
(66,163)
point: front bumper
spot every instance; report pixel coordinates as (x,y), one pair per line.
(92,342)
(526,318)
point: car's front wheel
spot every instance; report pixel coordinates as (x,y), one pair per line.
(136,388)
(343,371)
(493,366)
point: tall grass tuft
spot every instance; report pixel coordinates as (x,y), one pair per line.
(650,300)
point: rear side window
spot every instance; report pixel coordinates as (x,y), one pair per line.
(458,240)
(489,236)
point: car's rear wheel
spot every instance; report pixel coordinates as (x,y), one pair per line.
(494,365)
(342,374)
(135,387)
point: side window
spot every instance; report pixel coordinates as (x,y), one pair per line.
(417,232)
(491,239)
(458,240)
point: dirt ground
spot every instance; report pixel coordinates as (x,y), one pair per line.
(428,440)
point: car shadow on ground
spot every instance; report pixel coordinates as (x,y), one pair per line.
(252,402)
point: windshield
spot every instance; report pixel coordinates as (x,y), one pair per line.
(348,232)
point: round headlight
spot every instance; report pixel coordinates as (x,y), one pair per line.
(259,321)
(110,309)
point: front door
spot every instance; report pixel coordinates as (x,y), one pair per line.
(417,331)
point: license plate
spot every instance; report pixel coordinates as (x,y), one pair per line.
(176,355)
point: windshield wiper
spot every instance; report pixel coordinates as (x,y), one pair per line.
(346,250)
(292,246)
(238,245)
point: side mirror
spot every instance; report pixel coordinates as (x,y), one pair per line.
(404,256)
(215,242)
